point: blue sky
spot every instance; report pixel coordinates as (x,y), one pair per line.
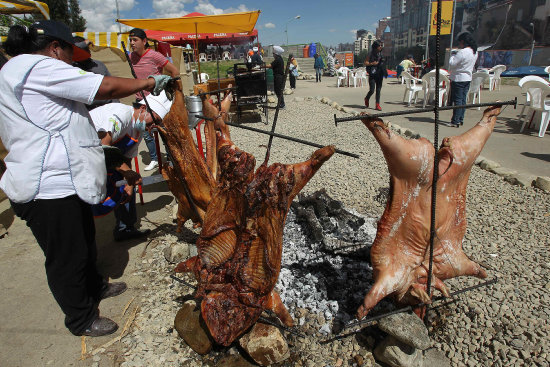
(329,22)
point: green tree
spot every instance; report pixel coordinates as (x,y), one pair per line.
(59,10)
(78,23)
(360,59)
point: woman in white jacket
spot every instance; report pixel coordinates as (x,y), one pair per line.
(55,163)
(461,66)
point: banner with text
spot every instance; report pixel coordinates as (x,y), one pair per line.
(446,17)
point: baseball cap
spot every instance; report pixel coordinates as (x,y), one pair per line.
(60,31)
(255,49)
(138,32)
(159,104)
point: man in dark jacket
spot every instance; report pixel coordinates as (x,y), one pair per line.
(278,66)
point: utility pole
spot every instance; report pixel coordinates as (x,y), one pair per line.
(532,43)
(118,16)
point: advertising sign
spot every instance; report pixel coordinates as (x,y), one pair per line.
(446,17)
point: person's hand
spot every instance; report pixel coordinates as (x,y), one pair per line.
(128,191)
(132,178)
(160,83)
(374,63)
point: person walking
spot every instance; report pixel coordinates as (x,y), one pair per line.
(405,65)
(293,71)
(377,71)
(461,65)
(278,67)
(319,65)
(55,167)
(148,62)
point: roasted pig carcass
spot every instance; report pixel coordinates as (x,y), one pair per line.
(190,176)
(400,252)
(240,245)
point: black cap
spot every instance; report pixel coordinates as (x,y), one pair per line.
(138,32)
(60,31)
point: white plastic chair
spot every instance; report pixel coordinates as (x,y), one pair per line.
(411,89)
(538,93)
(547,69)
(342,76)
(478,79)
(428,87)
(204,77)
(494,78)
(527,103)
(202,57)
(358,77)
(225,55)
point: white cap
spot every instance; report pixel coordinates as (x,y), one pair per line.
(159,104)
(255,49)
(278,50)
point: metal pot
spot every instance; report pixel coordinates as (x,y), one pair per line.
(194,107)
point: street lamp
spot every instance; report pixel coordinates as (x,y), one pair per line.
(286,26)
(532,43)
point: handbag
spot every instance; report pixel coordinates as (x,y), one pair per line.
(295,72)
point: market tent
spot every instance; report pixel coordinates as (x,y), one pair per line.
(24,7)
(222,23)
(112,40)
(180,39)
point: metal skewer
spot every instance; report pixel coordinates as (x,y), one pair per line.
(423,110)
(282,137)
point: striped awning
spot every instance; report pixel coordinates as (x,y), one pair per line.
(101,40)
(24,7)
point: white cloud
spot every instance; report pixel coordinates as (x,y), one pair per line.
(206,8)
(169,8)
(269,25)
(100,15)
(354,31)
(332,30)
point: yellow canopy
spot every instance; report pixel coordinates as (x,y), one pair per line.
(223,23)
(110,40)
(24,7)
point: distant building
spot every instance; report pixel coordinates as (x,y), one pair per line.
(364,43)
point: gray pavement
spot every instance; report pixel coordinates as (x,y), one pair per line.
(523,151)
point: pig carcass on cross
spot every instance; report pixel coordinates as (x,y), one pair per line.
(400,252)
(240,245)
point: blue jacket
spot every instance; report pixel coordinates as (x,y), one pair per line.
(319,64)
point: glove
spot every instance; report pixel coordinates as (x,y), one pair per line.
(131,177)
(160,83)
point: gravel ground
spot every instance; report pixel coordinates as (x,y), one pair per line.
(508,232)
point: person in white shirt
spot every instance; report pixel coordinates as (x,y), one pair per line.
(55,163)
(461,65)
(123,126)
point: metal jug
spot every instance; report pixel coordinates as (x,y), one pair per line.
(194,107)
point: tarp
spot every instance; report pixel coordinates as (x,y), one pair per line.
(24,7)
(180,39)
(223,23)
(522,71)
(103,40)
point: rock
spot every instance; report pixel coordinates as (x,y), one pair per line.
(479,159)
(408,133)
(298,99)
(234,361)
(270,93)
(516,343)
(503,172)
(334,105)
(271,99)
(435,358)
(521,180)
(175,212)
(265,344)
(407,328)
(193,250)
(191,329)
(176,252)
(397,354)
(287,91)
(488,164)
(543,183)
(318,98)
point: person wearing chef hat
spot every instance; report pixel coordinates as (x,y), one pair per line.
(256,57)
(278,67)
(122,126)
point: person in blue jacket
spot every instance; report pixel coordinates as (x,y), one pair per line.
(319,65)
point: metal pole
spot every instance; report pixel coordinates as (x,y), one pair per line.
(532,43)
(428,28)
(452,34)
(118,17)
